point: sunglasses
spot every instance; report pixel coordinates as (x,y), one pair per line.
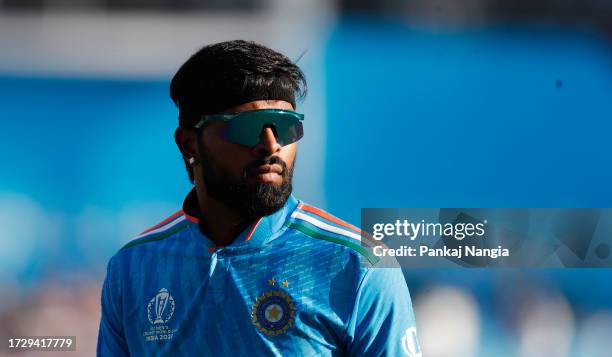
(245,127)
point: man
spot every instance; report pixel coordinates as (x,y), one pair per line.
(245,267)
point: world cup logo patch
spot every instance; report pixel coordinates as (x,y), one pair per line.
(160,310)
(273,312)
(161,307)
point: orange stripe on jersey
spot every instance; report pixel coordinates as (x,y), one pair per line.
(176,214)
(192,218)
(328,216)
(248,236)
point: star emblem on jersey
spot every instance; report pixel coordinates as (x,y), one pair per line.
(273,312)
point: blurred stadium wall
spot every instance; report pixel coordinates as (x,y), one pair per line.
(411,104)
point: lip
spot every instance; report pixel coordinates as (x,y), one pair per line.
(273,169)
(266,174)
(269,177)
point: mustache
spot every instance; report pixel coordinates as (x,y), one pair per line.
(270,160)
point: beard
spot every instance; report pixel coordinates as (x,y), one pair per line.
(250,200)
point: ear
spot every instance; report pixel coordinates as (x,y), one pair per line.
(187,142)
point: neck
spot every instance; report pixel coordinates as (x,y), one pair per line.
(219,222)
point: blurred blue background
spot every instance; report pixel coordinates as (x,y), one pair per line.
(409,106)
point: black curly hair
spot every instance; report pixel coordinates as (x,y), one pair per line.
(226,74)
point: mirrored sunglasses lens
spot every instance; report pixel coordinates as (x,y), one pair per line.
(290,132)
(246,129)
(242,131)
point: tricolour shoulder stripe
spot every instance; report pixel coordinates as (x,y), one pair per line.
(162,233)
(163,228)
(164,222)
(319,212)
(354,245)
(324,226)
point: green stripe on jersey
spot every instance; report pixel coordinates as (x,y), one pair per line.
(314,234)
(155,237)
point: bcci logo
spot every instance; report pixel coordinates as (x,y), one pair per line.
(161,308)
(273,312)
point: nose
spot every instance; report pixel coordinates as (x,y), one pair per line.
(267,143)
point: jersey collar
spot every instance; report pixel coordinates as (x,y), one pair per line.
(257,233)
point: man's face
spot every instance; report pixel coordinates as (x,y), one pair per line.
(255,181)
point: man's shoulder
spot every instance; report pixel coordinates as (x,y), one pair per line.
(169,227)
(327,231)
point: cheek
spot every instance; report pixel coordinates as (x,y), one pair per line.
(288,154)
(230,157)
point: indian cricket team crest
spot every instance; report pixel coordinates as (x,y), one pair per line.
(161,307)
(273,312)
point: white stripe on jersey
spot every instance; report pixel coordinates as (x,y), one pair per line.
(163,228)
(325,226)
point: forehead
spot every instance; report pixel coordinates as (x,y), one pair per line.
(261,104)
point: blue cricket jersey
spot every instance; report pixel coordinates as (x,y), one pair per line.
(296,282)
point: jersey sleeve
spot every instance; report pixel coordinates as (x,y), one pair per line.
(111,337)
(382,322)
